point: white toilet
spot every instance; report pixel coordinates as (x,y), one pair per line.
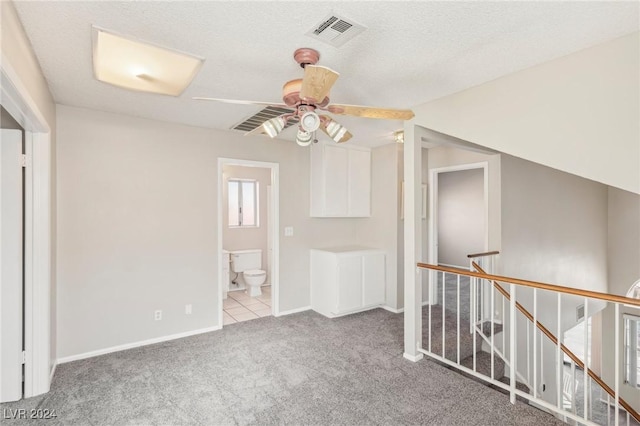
(249,263)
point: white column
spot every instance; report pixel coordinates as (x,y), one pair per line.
(412,242)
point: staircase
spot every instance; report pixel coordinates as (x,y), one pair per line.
(476,355)
(460,331)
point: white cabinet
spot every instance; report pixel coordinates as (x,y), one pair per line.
(340,180)
(346,280)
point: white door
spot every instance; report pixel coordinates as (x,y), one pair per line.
(10,265)
(349,283)
(373,272)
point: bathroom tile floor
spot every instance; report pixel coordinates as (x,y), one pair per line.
(238,306)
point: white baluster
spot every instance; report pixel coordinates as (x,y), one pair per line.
(616,330)
(493,297)
(458,319)
(512,344)
(559,360)
(586,356)
(535,342)
(443,319)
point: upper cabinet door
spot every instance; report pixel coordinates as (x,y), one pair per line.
(336,178)
(340,181)
(359,183)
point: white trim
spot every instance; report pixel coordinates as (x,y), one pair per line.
(274,223)
(399,310)
(293,311)
(138,344)
(392,310)
(17,100)
(412,358)
(53,371)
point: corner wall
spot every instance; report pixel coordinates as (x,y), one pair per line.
(137,226)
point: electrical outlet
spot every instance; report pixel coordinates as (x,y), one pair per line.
(288,231)
(187,309)
(157,315)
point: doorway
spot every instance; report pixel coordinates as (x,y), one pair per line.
(459,221)
(12,264)
(248,241)
(38,357)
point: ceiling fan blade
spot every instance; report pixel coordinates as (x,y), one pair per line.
(371,112)
(233,101)
(334,130)
(317,83)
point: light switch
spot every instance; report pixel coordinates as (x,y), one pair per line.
(288,231)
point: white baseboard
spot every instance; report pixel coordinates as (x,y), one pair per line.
(53,371)
(394,310)
(413,358)
(400,310)
(293,311)
(126,346)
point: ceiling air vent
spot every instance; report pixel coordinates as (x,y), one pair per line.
(260,117)
(336,30)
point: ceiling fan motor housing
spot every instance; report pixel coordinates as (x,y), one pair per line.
(291,95)
(306,56)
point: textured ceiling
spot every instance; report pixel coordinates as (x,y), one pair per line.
(412,52)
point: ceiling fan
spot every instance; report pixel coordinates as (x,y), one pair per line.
(307,96)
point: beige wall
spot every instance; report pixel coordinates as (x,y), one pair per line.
(19,56)
(557,113)
(137,226)
(554,230)
(623,253)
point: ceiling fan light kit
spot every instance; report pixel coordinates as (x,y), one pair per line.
(274,126)
(304,138)
(309,94)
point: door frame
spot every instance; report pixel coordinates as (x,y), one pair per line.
(433,217)
(273,224)
(16,99)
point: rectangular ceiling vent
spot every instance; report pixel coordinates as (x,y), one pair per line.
(336,30)
(260,117)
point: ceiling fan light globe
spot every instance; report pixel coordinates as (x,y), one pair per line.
(310,121)
(304,138)
(274,126)
(336,131)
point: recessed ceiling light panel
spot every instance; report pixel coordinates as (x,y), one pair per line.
(141,66)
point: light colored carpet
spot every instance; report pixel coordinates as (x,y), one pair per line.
(302,369)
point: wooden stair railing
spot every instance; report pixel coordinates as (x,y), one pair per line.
(483,254)
(564,349)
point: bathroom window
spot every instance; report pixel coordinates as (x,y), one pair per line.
(243,203)
(632,350)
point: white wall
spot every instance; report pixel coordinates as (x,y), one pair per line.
(18,54)
(137,226)
(248,237)
(559,113)
(461,216)
(623,254)
(554,230)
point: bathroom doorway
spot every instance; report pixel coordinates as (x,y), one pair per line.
(248,241)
